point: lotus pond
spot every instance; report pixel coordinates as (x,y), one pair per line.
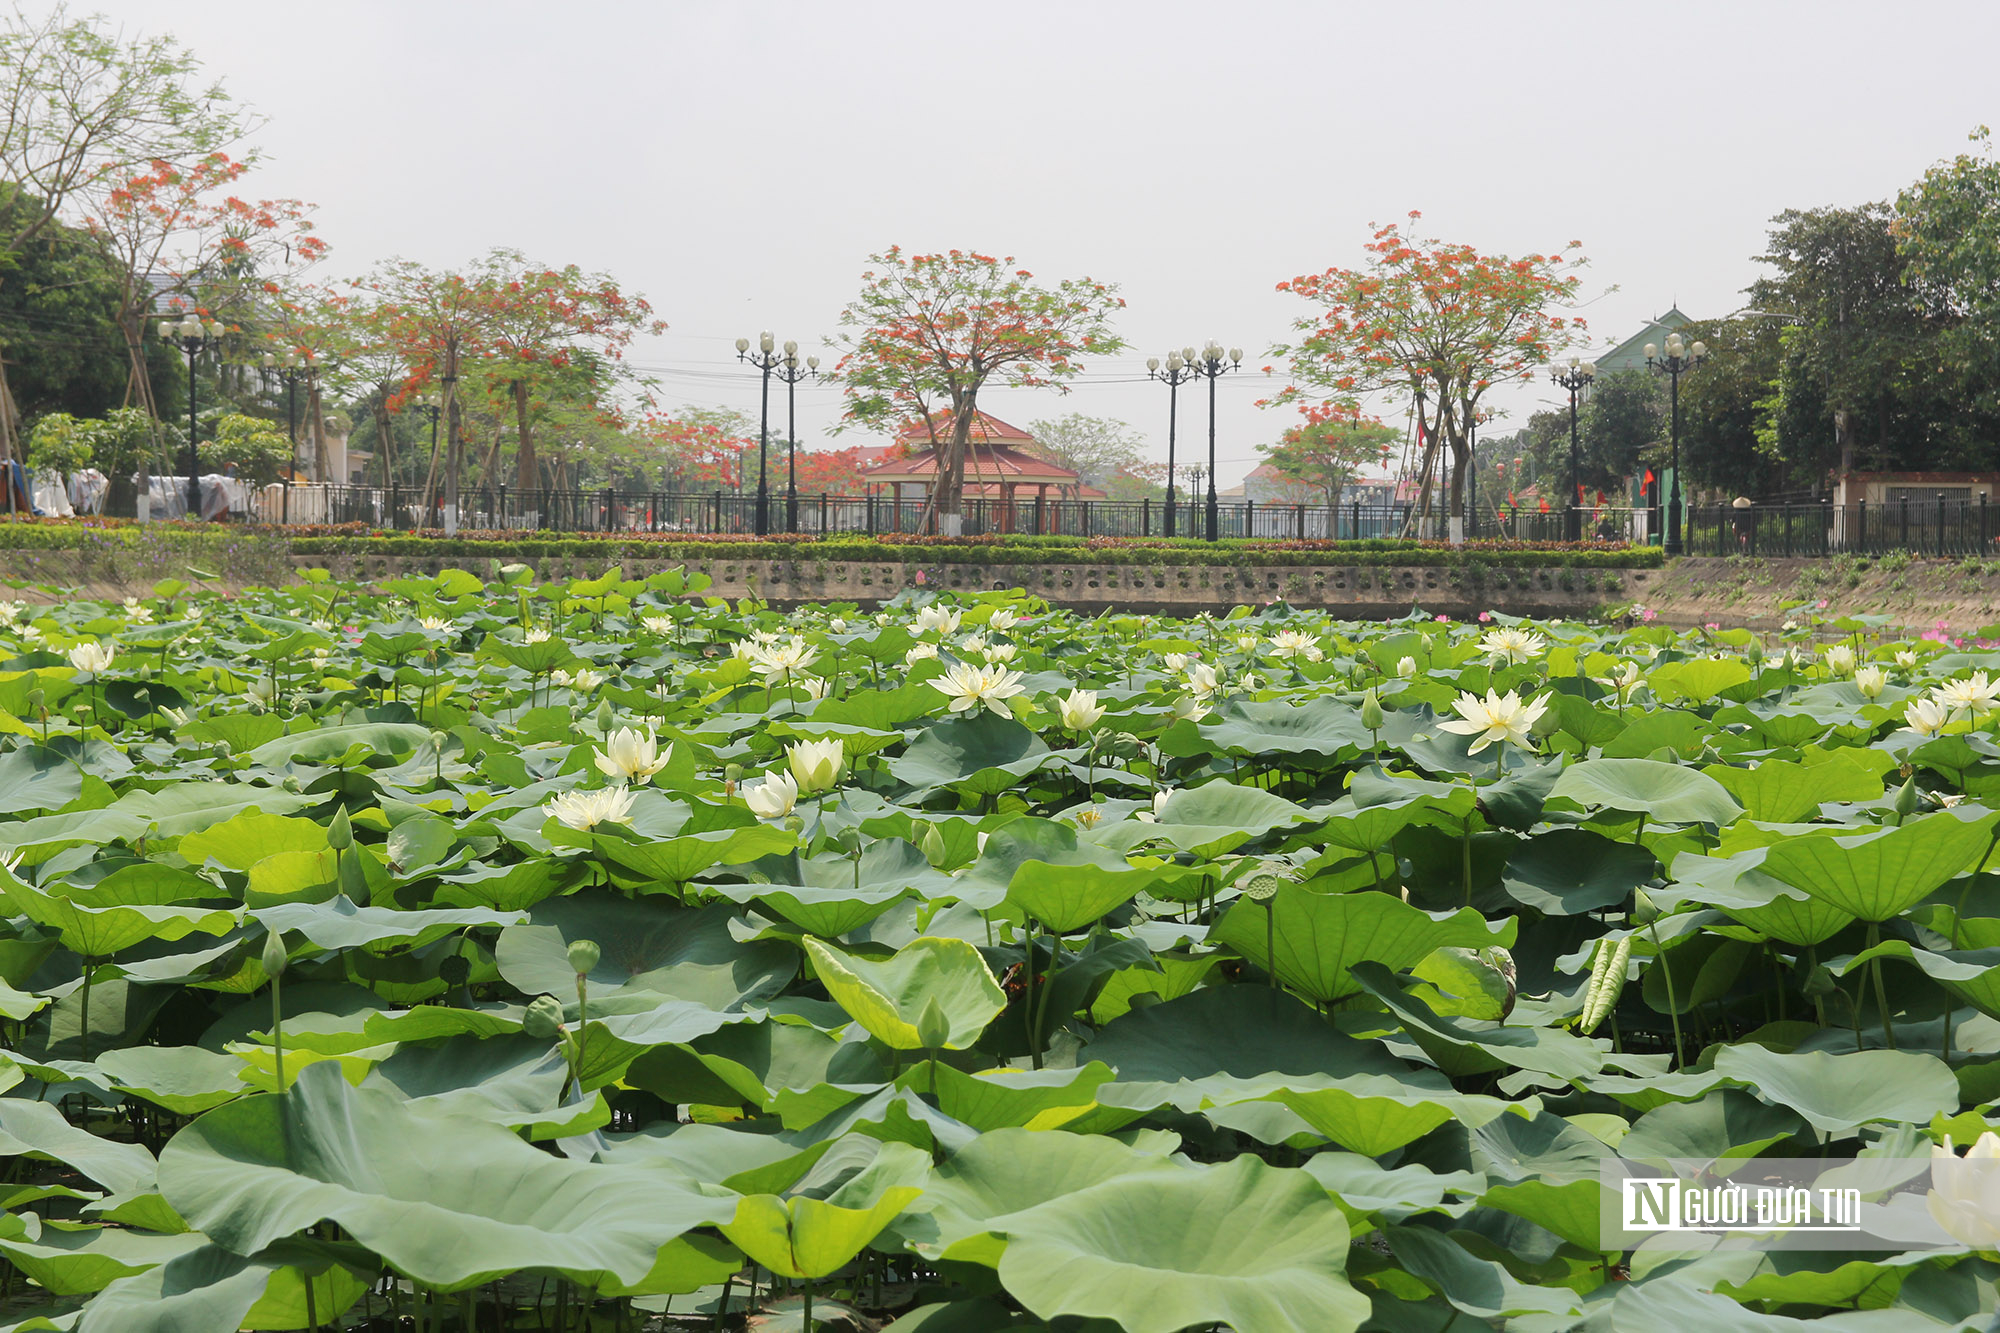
(464,954)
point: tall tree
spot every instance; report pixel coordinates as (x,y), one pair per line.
(1097,449)
(929,332)
(1427,314)
(82,105)
(1329,453)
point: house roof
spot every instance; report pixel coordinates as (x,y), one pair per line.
(1631,354)
(986,429)
(983,463)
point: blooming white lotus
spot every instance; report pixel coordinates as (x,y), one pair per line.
(658,624)
(1187,708)
(1177,662)
(1905,658)
(1973,697)
(581,679)
(919,653)
(1000,652)
(970,688)
(1871,681)
(632,755)
(1497,718)
(817,764)
(1079,710)
(936,620)
(1406,668)
(781,659)
(1840,659)
(974,643)
(11,612)
(1290,643)
(814,687)
(1201,680)
(1926,717)
(1003,620)
(1512,646)
(585,810)
(535,636)
(92,657)
(138,612)
(1246,643)
(1622,681)
(1963,1198)
(773,798)
(435,622)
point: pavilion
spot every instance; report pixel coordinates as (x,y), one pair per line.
(997,466)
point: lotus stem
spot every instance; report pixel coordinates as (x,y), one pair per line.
(1881,991)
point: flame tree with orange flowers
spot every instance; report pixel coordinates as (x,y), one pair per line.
(1435,318)
(929,332)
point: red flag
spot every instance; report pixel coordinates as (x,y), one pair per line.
(1600,497)
(1545,506)
(1579,493)
(1649,476)
(1510,498)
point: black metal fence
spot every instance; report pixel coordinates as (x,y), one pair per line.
(1944,528)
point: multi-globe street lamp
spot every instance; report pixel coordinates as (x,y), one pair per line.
(1680,358)
(791,374)
(193,335)
(766,360)
(1576,377)
(1176,373)
(1212,363)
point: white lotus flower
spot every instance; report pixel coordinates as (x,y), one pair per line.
(918,653)
(1840,659)
(1177,662)
(1871,681)
(435,622)
(970,688)
(634,756)
(1973,697)
(1000,652)
(773,798)
(1906,659)
(137,612)
(1496,718)
(658,624)
(745,649)
(92,657)
(176,716)
(1512,646)
(536,636)
(783,658)
(1406,667)
(1622,681)
(260,691)
(1963,1198)
(585,810)
(974,643)
(813,686)
(1160,799)
(817,764)
(936,620)
(838,625)
(1291,643)
(31,635)
(764,635)
(1926,717)
(1079,710)
(1003,620)
(11,612)
(1201,681)
(1089,817)
(1187,708)
(1246,643)
(582,679)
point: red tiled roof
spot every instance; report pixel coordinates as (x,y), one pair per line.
(983,462)
(985,428)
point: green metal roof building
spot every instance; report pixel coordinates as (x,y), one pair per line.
(1631,354)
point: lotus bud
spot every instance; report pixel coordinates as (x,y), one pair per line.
(933,1028)
(455,970)
(605,717)
(275,958)
(1371,711)
(340,832)
(290,784)
(1755,652)
(36,700)
(544,1018)
(439,740)
(583,956)
(732,773)
(794,824)
(1906,800)
(931,842)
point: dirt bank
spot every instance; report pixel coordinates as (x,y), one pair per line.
(1758,593)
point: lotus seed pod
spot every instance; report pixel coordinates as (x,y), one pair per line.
(544,1018)
(794,824)
(583,956)
(1263,887)
(1371,711)
(439,740)
(340,832)
(732,773)
(933,1028)
(455,970)
(275,960)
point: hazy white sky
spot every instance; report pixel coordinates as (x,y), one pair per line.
(736,163)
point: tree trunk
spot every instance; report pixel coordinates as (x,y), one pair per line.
(385,439)
(315,413)
(139,385)
(527,475)
(950,474)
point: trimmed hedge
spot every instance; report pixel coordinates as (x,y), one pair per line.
(99,535)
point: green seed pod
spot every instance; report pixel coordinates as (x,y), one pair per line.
(1261,888)
(1906,799)
(794,824)
(36,700)
(583,956)
(544,1018)
(275,959)
(933,1028)
(1371,711)
(1607,982)
(605,717)
(340,832)
(455,970)
(732,772)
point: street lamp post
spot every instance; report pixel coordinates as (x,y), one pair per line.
(1177,373)
(285,364)
(1576,377)
(792,373)
(766,360)
(1212,364)
(1680,358)
(194,336)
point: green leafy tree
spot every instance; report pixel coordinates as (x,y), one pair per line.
(1328,454)
(1098,449)
(1625,412)
(60,443)
(252,446)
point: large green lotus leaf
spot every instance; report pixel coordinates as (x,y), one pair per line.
(1218,816)
(37,778)
(686,1264)
(855,740)
(1782,792)
(142,884)
(647,945)
(103,932)
(1320,936)
(742,1155)
(1323,729)
(186,1080)
(1544,1169)
(1482,1288)
(677,860)
(1669,1302)
(1880,874)
(1567,871)
(1973,975)
(329,743)
(766,1065)
(1697,681)
(1738,885)
(1838,1093)
(1462,1046)
(802,1237)
(1373,1114)
(38,1129)
(1367,1189)
(339,924)
(1664,793)
(984,753)
(889,997)
(608,1045)
(244,840)
(1682,732)
(512,1081)
(1010,1171)
(1235,1037)
(448,1202)
(1269,1253)
(1728,1123)
(1005,1098)
(1378,807)
(208,1288)
(1046,872)
(74,1259)
(832,895)
(182,808)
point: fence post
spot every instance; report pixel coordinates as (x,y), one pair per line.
(1861,526)
(1302,522)
(1354,523)
(1940,536)
(1982,526)
(871,511)
(1249,517)
(1146,517)
(1041,510)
